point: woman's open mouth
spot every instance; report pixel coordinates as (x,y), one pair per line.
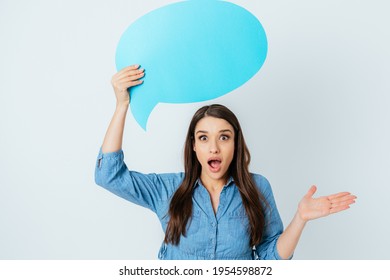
(214,164)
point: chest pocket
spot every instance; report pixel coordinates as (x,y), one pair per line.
(237,233)
(194,240)
(194,223)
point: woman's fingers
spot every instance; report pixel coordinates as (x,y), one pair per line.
(346,197)
(340,202)
(347,200)
(131,76)
(128,82)
(336,195)
(127,77)
(338,209)
(312,208)
(131,84)
(311,191)
(129,72)
(128,68)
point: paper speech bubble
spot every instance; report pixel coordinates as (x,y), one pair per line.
(191,51)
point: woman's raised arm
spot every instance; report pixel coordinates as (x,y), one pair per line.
(123,80)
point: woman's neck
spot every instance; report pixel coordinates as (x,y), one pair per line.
(213,185)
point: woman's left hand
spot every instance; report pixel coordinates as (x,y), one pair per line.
(310,208)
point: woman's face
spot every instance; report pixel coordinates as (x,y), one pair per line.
(214,148)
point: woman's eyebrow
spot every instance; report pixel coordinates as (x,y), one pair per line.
(201,131)
(221,131)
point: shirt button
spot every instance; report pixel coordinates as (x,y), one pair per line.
(212,224)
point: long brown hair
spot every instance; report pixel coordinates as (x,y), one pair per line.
(180,208)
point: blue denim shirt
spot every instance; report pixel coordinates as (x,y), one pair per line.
(223,235)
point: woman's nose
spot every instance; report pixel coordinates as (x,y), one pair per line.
(214,149)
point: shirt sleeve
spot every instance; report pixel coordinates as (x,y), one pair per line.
(147,190)
(273,228)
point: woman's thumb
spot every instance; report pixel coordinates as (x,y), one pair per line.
(311,191)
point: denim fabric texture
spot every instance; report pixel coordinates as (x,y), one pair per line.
(210,236)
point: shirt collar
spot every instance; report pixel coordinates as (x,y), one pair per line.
(228,183)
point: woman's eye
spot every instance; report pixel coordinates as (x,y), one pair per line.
(224,137)
(202,138)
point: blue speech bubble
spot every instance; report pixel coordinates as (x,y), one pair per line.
(191,51)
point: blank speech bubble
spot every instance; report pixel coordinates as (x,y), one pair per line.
(191,51)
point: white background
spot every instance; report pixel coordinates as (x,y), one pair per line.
(316,113)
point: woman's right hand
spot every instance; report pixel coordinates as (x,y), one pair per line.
(129,76)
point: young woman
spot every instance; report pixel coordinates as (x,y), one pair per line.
(216,209)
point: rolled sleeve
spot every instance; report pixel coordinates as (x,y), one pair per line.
(147,190)
(267,249)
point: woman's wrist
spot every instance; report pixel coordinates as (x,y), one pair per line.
(124,105)
(300,219)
